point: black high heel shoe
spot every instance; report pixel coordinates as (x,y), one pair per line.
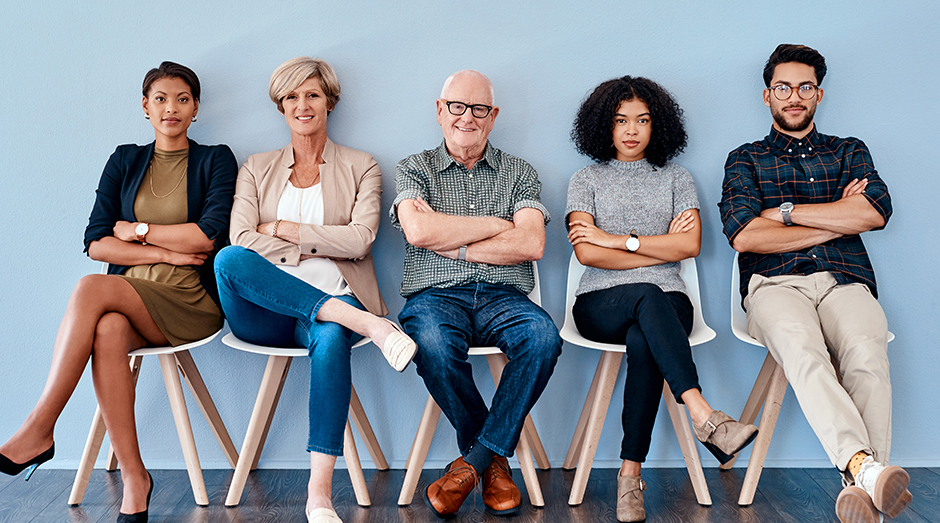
(8,467)
(138,517)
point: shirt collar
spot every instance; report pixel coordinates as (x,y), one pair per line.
(787,142)
(443,159)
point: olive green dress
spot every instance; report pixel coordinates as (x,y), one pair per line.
(174,296)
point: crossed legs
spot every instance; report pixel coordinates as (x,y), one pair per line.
(104,321)
(802,320)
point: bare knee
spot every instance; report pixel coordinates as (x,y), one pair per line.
(114,335)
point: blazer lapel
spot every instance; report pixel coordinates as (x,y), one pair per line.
(328,183)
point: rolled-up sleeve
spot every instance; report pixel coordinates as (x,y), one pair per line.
(876,192)
(527,190)
(741,198)
(411,183)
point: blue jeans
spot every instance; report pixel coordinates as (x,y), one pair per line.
(445,322)
(266,306)
(655,326)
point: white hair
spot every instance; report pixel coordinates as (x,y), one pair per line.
(468,72)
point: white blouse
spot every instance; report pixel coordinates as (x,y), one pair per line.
(306,206)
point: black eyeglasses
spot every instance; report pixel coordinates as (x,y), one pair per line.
(783,92)
(477,110)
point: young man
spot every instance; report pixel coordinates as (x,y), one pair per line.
(794,205)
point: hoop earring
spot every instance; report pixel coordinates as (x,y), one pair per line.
(147,116)
(194,118)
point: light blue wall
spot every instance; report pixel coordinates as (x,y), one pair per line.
(69,93)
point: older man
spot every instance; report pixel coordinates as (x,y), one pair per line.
(473,224)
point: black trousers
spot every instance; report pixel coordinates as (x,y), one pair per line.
(655,326)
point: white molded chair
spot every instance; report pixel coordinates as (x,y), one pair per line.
(173,362)
(275,373)
(528,441)
(588,432)
(768,392)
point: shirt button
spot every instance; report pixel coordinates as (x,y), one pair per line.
(801,143)
(283,260)
(471,175)
(473,206)
(810,148)
(802,156)
(789,150)
(313,251)
(812,179)
(813,255)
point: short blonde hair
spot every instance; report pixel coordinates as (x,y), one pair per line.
(289,75)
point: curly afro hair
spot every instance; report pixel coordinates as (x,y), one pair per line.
(594,125)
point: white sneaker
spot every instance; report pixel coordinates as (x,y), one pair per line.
(854,506)
(887,486)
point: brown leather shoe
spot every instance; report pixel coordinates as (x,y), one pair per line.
(445,495)
(500,494)
(723,436)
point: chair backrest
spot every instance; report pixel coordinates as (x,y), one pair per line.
(738,318)
(689,273)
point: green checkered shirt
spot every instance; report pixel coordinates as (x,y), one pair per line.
(498,185)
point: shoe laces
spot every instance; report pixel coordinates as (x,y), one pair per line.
(868,475)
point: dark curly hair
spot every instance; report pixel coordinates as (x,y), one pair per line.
(594,125)
(785,53)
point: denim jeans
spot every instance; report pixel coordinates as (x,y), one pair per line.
(445,322)
(266,306)
(655,326)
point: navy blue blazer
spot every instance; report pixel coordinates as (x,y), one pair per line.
(210,186)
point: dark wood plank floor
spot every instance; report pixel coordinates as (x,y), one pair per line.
(784,495)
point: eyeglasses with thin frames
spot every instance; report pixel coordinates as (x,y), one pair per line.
(477,110)
(783,92)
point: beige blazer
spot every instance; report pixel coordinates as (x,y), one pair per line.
(352,201)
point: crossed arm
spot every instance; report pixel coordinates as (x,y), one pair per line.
(814,224)
(488,239)
(181,244)
(597,248)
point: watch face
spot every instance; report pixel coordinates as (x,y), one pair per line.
(142,229)
(633,243)
(786,206)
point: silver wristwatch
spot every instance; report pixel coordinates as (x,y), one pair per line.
(785,209)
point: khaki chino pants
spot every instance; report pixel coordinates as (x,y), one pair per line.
(802,320)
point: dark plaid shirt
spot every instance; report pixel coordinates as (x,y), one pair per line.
(814,169)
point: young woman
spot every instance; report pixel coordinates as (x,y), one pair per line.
(632,217)
(160,215)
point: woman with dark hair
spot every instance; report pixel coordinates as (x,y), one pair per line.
(632,217)
(161,213)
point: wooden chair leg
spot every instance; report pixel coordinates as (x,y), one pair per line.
(529,477)
(358,416)
(354,467)
(419,451)
(756,400)
(174,390)
(111,462)
(541,457)
(275,372)
(204,401)
(609,367)
(89,455)
(497,363)
(768,421)
(687,443)
(577,441)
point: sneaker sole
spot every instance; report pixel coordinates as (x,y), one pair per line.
(854,506)
(891,494)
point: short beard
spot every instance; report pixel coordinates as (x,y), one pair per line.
(799,126)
